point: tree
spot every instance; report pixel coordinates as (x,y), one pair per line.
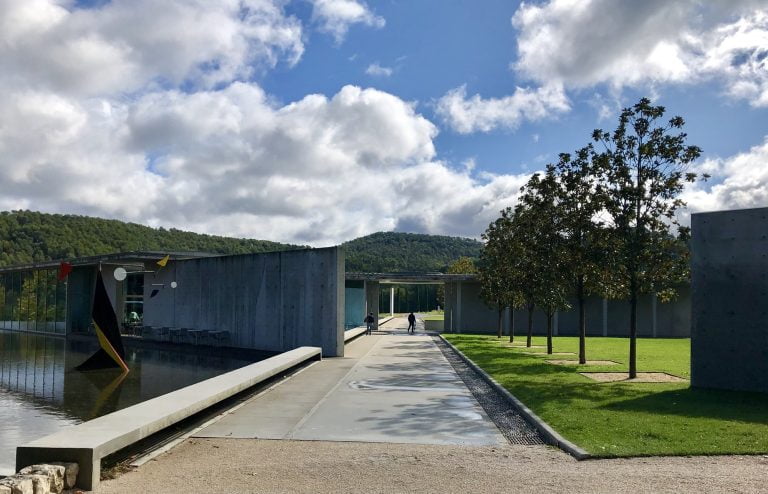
(643,169)
(496,269)
(579,201)
(540,223)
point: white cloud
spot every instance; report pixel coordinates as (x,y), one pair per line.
(138,110)
(466,115)
(581,43)
(739,181)
(377,70)
(129,45)
(336,16)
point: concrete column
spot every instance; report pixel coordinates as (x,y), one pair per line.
(605,317)
(392,301)
(372,301)
(555,325)
(457,324)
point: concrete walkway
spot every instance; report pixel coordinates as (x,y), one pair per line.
(390,387)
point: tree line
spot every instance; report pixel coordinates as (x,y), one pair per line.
(29,236)
(600,221)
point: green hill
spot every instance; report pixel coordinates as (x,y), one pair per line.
(27,236)
(390,252)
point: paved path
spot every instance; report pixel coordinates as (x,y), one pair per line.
(424,432)
(389,387)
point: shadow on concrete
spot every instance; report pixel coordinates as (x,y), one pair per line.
(453,416)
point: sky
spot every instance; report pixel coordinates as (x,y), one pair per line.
(318,121)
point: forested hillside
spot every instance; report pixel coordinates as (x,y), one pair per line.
(27,236)
(390,252)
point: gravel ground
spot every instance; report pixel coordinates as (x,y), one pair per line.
(249,465)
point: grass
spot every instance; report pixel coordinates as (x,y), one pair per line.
(625,419)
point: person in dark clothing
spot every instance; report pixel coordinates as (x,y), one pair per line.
(369,320)
(411,323)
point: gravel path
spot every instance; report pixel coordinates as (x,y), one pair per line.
(248,465)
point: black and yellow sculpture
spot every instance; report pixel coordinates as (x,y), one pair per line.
(111,354)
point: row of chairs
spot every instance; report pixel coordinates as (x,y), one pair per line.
(185,335)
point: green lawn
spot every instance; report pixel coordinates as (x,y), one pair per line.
(625,419)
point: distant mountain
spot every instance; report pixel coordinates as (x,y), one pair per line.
(390,252)
(27,236)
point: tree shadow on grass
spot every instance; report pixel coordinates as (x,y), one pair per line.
(700,403)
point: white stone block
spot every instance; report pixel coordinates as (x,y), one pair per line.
(18,484)
(70,473)
(41,483)
(55,474)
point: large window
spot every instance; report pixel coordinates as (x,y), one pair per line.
(134,298)
(32,300)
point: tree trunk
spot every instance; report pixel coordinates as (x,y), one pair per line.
(511,324)
(500,328)
(633,334)
(549,333)
(530,325)
(582,322)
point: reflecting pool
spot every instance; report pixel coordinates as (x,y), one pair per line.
(40,392)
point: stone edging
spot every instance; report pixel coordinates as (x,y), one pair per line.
(51,478)
(548,433)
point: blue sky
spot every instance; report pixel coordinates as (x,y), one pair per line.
(317,121)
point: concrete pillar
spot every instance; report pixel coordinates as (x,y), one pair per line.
(457,323)
(372,301)
(392,301)
(605,317)
(555,325)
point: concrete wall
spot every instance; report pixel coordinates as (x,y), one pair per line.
(729,336)
(372,290)
(466,312)
(276,301)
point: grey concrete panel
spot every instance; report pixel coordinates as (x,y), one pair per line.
(729,319)
(673,319)
(372,289)
(102,436)
(568,320)
(275,301)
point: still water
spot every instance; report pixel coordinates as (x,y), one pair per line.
(40,392)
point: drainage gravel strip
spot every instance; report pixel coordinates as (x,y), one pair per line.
(511,424)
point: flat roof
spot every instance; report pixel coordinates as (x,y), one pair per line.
(410,277)
(118,258)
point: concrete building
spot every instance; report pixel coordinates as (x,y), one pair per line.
(274,301)
(466,312)
(729,332)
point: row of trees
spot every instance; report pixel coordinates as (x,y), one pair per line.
(601,221)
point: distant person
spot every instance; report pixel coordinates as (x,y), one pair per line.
(369,320)
(411,323)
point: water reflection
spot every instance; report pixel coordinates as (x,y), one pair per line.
(40,391)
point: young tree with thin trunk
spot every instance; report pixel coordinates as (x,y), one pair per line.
(579,201)
(643,169)
(498,269)
(538,214)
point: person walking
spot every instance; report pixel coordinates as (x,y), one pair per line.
(369,320)
(411,323)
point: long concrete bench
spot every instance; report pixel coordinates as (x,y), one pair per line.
(353,333)
(89,442)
